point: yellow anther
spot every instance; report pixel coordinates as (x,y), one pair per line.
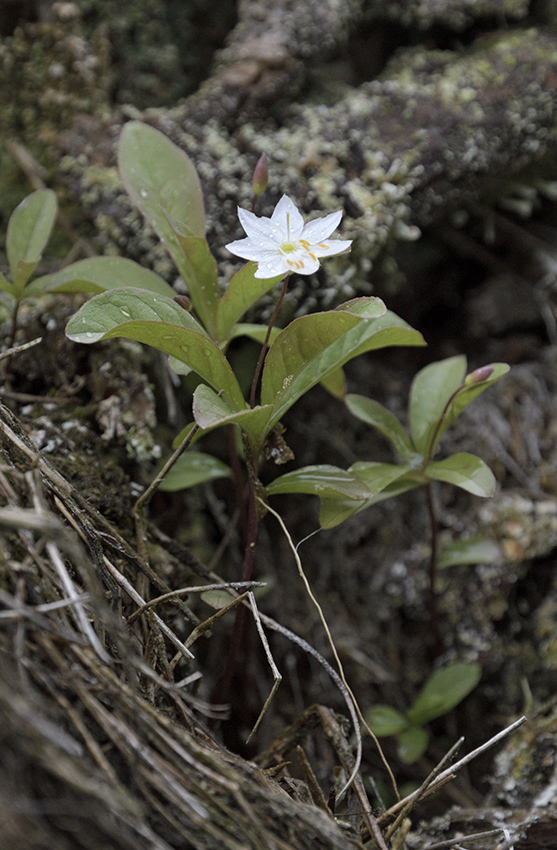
(321,245)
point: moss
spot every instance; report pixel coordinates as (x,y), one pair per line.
(160,49)
(49,72)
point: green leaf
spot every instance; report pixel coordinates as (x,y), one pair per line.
(374,414)
(199,270)
(158,321)
(255,332)
(466,471)
(241,293)
(365,306)
(412,744)
(384,720)
(216,598)
(99,274)
(324,480)
(193,468)
(474,550)
(335,384)
(384,480)
(163,183)
(29,230)
(431,389)
(314,346)
(211,411)
(5,285)
(443,691)
(181,436)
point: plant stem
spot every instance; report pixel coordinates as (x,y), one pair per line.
(223,690)
(13,331)
(265,345)
(432,444)
(433,614)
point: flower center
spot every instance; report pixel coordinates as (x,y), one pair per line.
(288,247)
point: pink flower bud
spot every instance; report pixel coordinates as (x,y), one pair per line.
(260,176)
(478,376)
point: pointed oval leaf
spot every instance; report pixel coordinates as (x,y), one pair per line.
(160,177)
(466,471)
(241,293)
(335,384)
(443,691)
(384,720)
(98,274)
(368,307)
(333,512)
(5,285)
(431,390)
(314,346)
(412,744)
(256,332)
(374,414)
(385,480)
(211,411)
(125,304)
(474,550)
(193,468)
(158,321)
(29,230)
(323,480)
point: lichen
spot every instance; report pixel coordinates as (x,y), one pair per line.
(49,73)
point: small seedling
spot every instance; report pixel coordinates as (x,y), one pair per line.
(439,394)
(442,692)
(29,230)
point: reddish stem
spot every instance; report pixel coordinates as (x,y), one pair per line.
(433,613)
(265,345)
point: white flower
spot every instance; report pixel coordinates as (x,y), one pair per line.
(283,243)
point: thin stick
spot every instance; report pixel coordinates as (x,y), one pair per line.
(44,608)
(148,492)
(311,595)
(340,667)
(422,790)
(196,588)
(274,669)
(441,779)
(81,617)
(72,594)
(133,594)
(476,836)
(202,627)
(479,750)
(143,501)
(17,348)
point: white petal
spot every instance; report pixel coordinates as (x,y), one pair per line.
(288,228)
(321,228)
(272,266)
(255,227)
(331,247)
(247,249)
(310,266)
